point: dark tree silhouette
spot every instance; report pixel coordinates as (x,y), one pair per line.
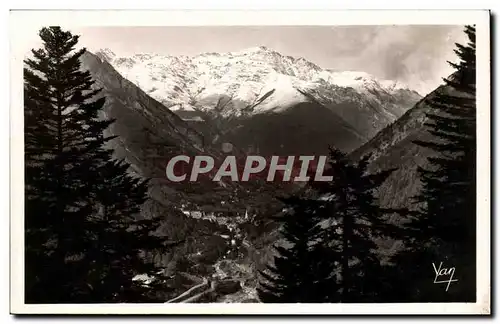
(300,272)
(342,221)
(444,225)
(81,237)
(355,221)
(122,238)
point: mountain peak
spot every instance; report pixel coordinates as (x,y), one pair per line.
(106,54)
(254,50)
(261,48)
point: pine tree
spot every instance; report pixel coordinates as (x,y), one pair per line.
(121,238)
(343,221)
(444,227)
(62,135)
(300,272)
(356,221)
(78,201)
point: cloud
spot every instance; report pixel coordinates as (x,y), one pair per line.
(415,55)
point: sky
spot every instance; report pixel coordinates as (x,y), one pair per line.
(412,54)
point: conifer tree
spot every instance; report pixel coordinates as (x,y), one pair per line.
(121,238)
(356,220)
(62,135)
(444,225)
(343,221)
(300,272)
(79,235)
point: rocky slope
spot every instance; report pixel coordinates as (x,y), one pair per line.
(393,147)
(228,90)
(204,247)
(137,116)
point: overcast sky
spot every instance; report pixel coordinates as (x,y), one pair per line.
(415,55)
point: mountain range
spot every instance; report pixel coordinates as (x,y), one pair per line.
(263,101)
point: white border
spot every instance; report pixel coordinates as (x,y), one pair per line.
(23,28)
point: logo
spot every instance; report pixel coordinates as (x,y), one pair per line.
(444,275)
(274,168)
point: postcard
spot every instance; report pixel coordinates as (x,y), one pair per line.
(250,162)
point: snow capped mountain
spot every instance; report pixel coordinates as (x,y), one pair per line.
(260,99)
(199,82)
(363,82)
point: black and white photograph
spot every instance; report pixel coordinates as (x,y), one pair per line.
(272,165)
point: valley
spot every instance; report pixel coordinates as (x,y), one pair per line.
(260,102)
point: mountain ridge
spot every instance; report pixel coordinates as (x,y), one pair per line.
(393,147)
(232,88)
(249,65)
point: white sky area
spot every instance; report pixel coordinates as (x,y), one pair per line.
(412,54)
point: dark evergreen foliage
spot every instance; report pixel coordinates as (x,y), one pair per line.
(82,237)
(356,220)
(342,222)
(443,229)
(300,273)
